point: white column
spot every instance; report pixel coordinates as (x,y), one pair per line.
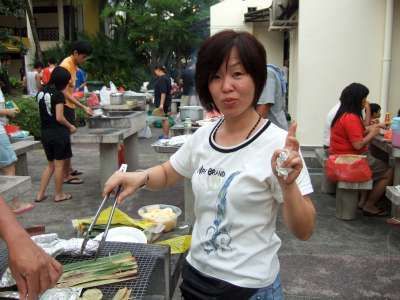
(60,15)
(30,54)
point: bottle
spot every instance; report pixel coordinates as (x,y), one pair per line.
(187,125)
(387,120)
(396,132)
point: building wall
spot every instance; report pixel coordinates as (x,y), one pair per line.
(339,42)
(272,42)
(229,14)
(91,17)
(394,93)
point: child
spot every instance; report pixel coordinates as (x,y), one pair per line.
(375,113)
(56,132)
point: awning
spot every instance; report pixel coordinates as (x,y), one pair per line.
(261,15)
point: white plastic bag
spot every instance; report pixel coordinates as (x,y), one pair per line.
(104,96)
(145,132)
(113,88)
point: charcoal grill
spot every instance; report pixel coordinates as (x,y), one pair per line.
(149,258)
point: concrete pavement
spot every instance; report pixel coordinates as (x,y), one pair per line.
(357,259)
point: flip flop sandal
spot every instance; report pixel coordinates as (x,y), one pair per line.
(67,197)
(73,181)
(380,213)
(76,173)
(40,200)
(23,209)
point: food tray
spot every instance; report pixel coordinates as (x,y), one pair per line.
(145,254)
(164,149)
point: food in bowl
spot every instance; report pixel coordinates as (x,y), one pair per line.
(161,213)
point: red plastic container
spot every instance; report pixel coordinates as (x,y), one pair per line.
(11,128)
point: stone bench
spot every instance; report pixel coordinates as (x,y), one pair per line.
(14,186)
(21,148)
(327,186)
(347,193)
(347,197)
(393,195)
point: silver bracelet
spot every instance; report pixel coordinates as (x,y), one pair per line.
(146,179)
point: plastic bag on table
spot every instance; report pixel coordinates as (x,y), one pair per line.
(113,87)
(93,100)
(145,132)
(348,167)
(105,96)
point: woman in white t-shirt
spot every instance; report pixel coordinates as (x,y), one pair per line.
(233,168)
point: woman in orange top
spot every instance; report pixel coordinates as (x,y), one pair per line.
(349,136)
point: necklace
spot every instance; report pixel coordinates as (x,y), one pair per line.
(254,127)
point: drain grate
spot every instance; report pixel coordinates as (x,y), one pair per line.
(146,256)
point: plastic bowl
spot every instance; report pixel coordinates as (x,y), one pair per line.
(161,213)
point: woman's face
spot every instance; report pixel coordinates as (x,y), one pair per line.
(232,88)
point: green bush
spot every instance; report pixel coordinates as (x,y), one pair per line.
(28,118)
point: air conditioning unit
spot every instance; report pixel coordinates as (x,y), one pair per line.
(283,15)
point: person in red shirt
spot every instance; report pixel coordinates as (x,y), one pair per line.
(349,136)
(47,71)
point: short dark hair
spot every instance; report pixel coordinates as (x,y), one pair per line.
(161,67)
(351,100)
(375,108)
(82,47)
(38,64)
(60,78)
(51,61)
(216,49)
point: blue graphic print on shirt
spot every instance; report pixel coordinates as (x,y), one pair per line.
(219,237)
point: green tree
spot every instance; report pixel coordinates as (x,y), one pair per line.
(160,31)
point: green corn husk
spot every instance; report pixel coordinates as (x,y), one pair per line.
(105,270)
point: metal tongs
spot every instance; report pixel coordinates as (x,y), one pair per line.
(123,168)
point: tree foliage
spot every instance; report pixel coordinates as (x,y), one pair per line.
(159,31)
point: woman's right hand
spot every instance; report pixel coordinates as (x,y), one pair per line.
(374,129)
(11,112)
(130,182)
(72,129)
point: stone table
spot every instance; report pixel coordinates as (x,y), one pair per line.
(187,187)
(394,160)
(109,140)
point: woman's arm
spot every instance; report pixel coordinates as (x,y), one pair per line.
(298,210)
(154,178)
(61,118)
(371,131)
(8,112)
(33,270)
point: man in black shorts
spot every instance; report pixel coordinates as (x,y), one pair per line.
(162,96)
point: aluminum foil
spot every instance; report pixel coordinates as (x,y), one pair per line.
(54,246)
(282,157)
(61,294)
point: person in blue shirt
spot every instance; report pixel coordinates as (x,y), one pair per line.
(80,82)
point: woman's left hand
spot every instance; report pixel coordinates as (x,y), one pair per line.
(293,161)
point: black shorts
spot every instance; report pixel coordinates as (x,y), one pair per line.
(166,107)
(69,114)
(57,146)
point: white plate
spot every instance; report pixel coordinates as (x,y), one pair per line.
(124,234)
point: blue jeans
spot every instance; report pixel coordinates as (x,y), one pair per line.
(271,292)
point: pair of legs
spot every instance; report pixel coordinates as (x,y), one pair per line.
(68,176)
(165,127)
(16,205)
(57,168)
(368,202)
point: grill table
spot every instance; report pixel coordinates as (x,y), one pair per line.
(153,281)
